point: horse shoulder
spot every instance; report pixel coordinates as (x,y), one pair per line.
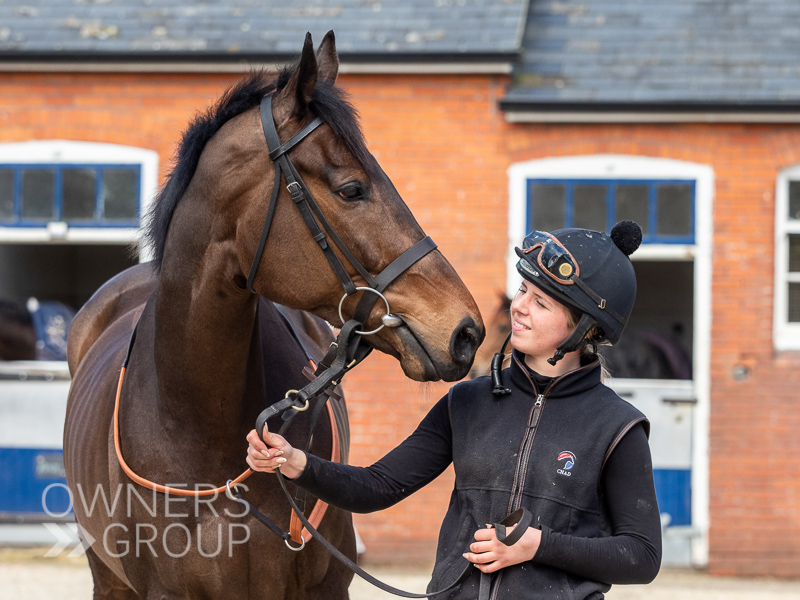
(126,292)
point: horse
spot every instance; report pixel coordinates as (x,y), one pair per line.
(496,333)
(210,355)
(17,334)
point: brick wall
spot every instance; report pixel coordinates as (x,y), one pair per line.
(447,147)
(754,472)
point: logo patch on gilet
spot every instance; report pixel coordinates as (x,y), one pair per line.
(570,457)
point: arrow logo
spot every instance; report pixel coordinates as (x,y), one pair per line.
(66,536)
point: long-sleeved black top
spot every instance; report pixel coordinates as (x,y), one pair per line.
(632,554)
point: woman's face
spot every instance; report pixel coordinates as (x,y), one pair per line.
(539,323)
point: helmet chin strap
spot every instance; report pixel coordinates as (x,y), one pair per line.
(576,339)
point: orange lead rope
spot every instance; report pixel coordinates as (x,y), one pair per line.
(298,535)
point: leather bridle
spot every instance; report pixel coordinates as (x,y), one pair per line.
(312,216)
(343,354)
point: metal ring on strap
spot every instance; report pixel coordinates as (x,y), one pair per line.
(228,491)
(296,548)
(374,291)
(297,408)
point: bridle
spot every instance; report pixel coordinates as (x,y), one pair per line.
(343,354)
(312,216)
(340,357)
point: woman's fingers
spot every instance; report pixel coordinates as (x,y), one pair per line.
(480,558)
(262,463)
(480,547)
(255,441)
(265,457)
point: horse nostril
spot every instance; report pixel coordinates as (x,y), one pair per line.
(465,341)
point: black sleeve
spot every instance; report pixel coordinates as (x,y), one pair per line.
(632,554)
(413,464)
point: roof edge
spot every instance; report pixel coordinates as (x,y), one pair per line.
(524,111)
(356,62)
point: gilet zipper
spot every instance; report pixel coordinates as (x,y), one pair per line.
(521,471)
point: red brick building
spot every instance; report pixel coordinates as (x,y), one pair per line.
(583,112)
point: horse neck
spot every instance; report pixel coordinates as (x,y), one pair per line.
(203,325)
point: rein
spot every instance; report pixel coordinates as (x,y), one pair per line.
(297,533)
(342,355)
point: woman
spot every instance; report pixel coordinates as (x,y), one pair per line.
(549,437)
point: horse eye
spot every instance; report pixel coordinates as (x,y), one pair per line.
(351,191)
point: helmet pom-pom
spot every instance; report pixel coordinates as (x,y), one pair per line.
(627,235)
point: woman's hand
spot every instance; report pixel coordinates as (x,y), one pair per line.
(490,554)
(275,453)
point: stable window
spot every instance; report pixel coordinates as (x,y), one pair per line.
(663,208)
(93,195)
(787,261)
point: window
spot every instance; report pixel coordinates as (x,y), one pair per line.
(663,208)
(66,191)
(787,261)
(78,194)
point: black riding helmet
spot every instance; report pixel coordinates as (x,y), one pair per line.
(586,270)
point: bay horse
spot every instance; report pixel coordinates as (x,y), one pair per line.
(209,355)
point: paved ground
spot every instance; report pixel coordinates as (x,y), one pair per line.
(25,575)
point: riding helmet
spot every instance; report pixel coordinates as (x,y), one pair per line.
(588,271)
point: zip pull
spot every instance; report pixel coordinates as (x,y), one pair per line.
(539,399)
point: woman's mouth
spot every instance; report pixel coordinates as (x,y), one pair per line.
(517,326)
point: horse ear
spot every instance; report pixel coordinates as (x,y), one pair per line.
(295,97)
(327,59)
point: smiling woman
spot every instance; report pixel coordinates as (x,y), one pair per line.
(539,324)
(551,443)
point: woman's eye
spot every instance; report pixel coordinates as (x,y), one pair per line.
(351,191)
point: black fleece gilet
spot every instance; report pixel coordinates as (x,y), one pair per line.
(539,449)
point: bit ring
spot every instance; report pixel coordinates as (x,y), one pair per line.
(374,291)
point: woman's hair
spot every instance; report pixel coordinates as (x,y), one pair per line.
(589,349)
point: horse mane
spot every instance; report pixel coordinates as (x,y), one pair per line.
(327,102)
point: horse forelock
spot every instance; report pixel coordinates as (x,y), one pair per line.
(328,102)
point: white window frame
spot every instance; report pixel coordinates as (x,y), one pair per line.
(72,152)
(786,335)
(612,166)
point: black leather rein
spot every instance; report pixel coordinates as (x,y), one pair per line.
(346,352)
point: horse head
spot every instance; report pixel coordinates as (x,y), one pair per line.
(441,325)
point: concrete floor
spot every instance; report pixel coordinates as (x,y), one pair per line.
(26,574)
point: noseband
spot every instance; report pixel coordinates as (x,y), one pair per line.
(313,216)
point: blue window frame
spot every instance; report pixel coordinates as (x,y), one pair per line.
(83,195)
(665,208)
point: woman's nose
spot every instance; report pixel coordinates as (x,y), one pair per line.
(518,302)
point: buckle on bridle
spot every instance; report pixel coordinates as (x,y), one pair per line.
(294,183)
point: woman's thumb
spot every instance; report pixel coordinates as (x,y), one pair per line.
(272,439)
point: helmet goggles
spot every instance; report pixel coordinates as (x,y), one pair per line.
(553,259)
(557,263)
